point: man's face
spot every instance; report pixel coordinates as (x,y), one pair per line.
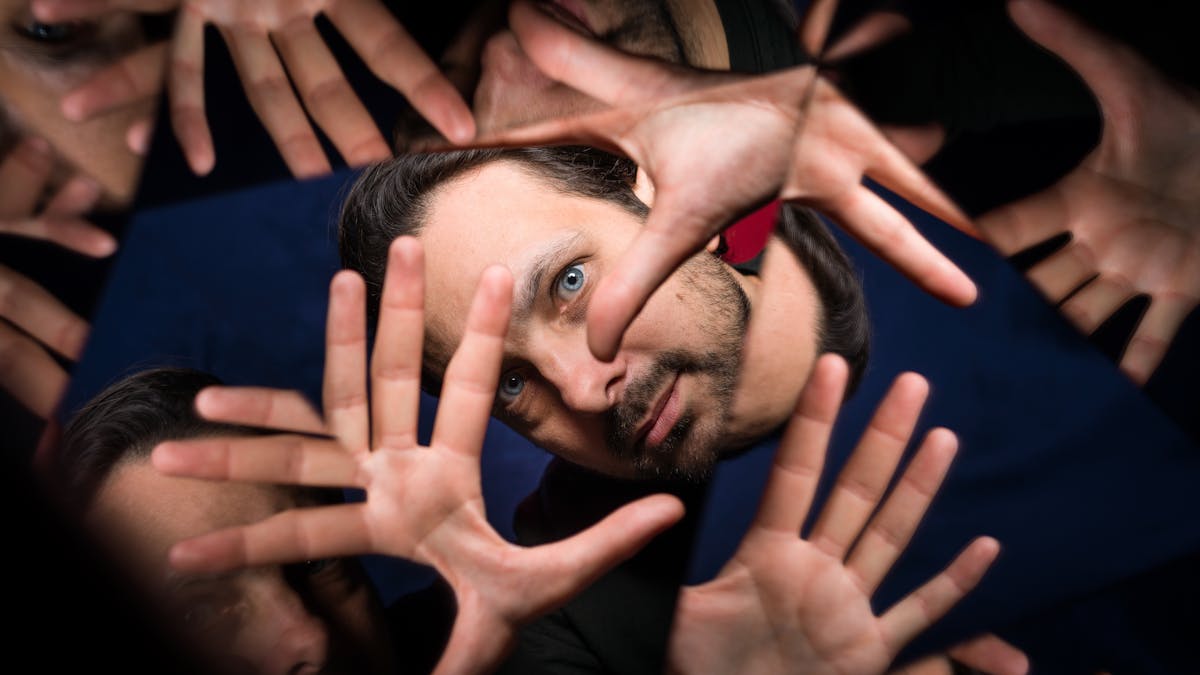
(658,408)
(512,91)
(318,616)
(39,63)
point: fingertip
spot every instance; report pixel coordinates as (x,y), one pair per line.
(912,383)
(202,162)
(346,285)
(987,548)
(74,106)
(168,458)
(101,244)
(137,138)
(188,556)
(406,250)
(943,439)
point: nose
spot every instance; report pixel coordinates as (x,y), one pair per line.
(301,644)
(585,383)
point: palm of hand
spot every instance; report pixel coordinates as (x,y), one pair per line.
(1131,206)
(787,606)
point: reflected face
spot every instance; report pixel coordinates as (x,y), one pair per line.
(39,63)
(315,617)
(512,91)
(659,407)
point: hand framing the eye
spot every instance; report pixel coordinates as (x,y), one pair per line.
(1132,206)
(423,503)
(32,319)
(274,45)
(716,145)
(786,603)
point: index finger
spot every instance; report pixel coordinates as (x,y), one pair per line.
(396,361)
(394,57)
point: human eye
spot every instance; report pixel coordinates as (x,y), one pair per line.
(511,385)
(570,281)
(51,33)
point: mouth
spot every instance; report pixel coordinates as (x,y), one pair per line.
(662,418)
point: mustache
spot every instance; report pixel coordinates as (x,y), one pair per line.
(623,419)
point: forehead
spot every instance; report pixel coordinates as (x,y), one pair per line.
(145,512)
(501,214)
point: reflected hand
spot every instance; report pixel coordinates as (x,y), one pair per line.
(27,371)
(258,35)
(986,653)
(422,503)
(664,116)
(789,604)
(1132,206)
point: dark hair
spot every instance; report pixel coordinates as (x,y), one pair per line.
(124,423)
(391,200)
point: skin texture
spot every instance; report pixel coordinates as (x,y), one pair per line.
(569,401)
(423,503)
(803,141)
(39,64)
(270,619)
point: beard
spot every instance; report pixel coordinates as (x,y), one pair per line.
(692,446)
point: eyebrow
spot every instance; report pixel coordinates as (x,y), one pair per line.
(549,258)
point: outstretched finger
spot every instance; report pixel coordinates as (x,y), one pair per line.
(56,11)
(585,64)
(23,176)
(567,567)
(814,27)
(344,388)
(27,372)
(1014,227)
(469,387)
(76,196)
(921,608)
(659,248)
(270,94)
(1095,302)
(888,234)
(285,459)
(327,95)
(291,536)
(399,335)
(394,57)
(72,233)
(801,454)
(1153,335)
(990,654)
(135,77)
(1107,66)
(40,314)
(892,528)
(1063,272)
(870,468)
(185,91)
(259,407)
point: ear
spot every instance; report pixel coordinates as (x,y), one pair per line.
(643,187)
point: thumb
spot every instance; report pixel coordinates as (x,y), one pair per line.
(573,564)
(1108,67)
(586,64)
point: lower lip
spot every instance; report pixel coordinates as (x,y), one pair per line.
(666,419)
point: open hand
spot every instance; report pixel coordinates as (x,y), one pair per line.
(1132,206)
(717,145)
(786,603)
(422,503)
(259,34)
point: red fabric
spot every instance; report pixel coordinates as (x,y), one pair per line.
(747,237)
